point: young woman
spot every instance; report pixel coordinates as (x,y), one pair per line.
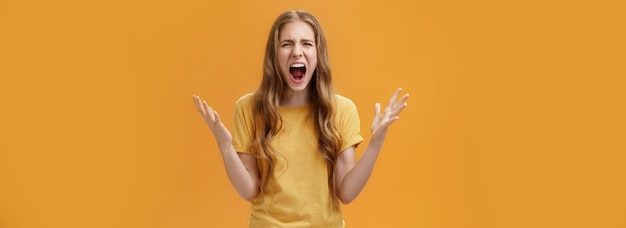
(292,154)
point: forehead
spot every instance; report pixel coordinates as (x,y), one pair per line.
(296,30)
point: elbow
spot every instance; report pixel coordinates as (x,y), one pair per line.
(345,199)
(249,196)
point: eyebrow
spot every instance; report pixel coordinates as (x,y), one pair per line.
(291,40)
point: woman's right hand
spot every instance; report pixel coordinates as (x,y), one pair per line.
(220,132)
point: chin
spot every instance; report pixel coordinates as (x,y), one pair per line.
(298,88)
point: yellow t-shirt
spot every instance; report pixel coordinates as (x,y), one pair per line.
(297,194)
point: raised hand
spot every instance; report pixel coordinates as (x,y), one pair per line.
(220,132)
(382,121)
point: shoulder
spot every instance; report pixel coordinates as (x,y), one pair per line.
(245,104)
(343,103)
(245,101)
(245,98)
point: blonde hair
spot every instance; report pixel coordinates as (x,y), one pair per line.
(266,104)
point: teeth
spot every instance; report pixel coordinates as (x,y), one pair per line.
(297,65)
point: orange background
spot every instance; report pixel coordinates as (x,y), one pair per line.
(516,115)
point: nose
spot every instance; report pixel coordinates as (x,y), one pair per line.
(297,52)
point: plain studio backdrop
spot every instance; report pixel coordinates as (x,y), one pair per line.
(516,114)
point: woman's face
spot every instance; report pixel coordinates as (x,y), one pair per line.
(297,54)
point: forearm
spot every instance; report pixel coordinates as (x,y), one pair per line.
(237,173)
(357,177)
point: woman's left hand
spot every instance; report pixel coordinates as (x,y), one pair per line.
(382,121)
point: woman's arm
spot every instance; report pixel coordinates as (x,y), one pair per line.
(241,168)
(242,172)
(350,178)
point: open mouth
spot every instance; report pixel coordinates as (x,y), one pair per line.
(297,71)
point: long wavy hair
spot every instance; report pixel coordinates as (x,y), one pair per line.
(266,104)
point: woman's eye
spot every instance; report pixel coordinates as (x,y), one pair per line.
(308,44)
(285,45)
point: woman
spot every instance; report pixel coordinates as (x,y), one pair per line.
(292,154)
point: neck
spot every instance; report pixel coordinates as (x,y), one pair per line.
(296,98)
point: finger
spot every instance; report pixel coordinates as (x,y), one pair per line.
(402,99)
(197,103)
(393,120)
(394,97)
(217,117)
(399,109)
(390,121)
(208,110)
(400,105)
(377,110)
(200,106)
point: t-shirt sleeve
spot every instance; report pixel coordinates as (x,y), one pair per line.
(349,123)
(242,126)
